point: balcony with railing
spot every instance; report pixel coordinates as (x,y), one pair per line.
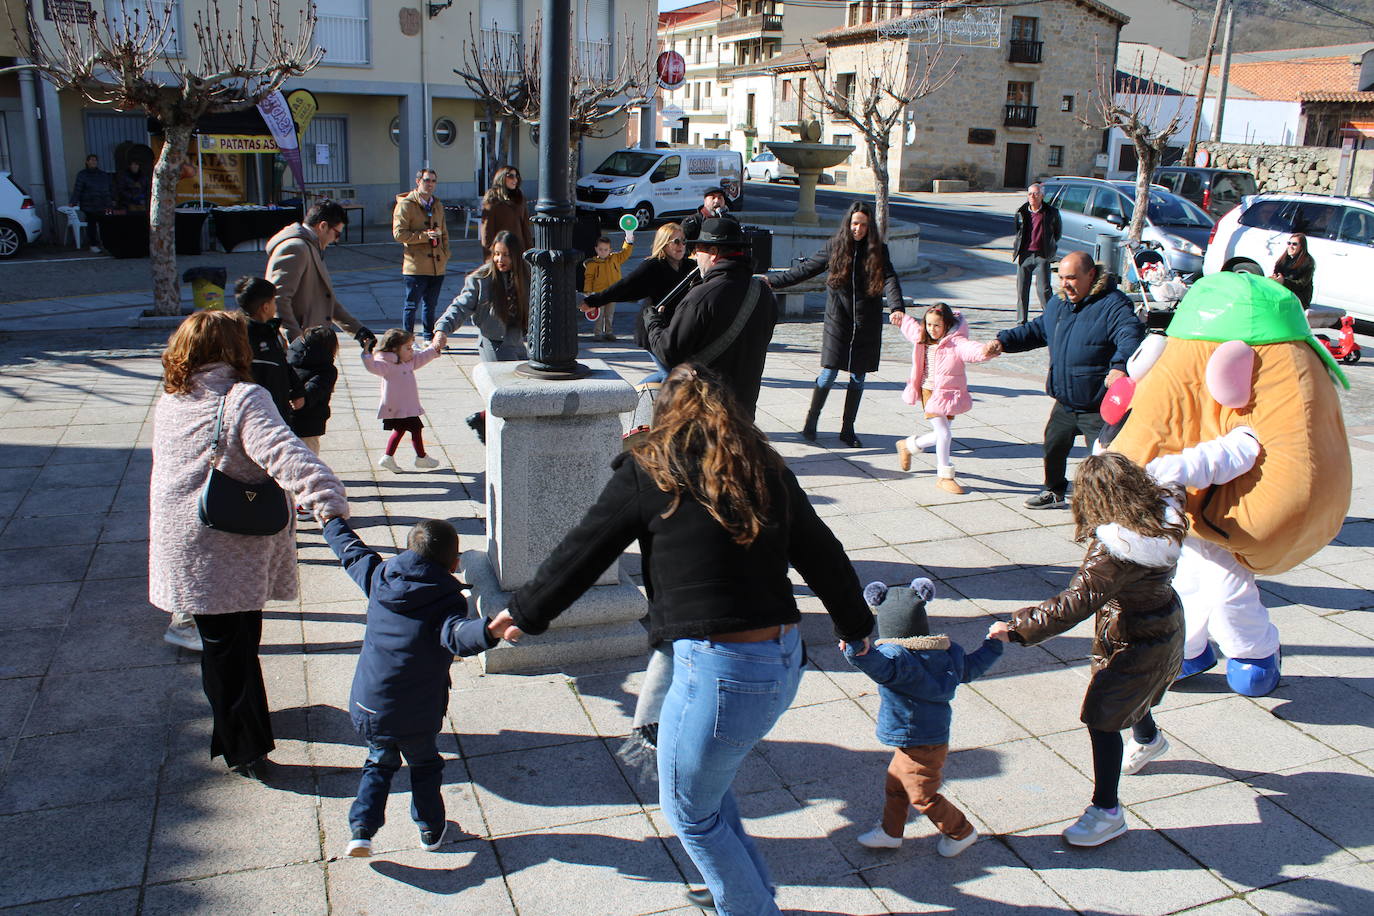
(738,28)
(1020,115)
(344,39)
(1025,52)
(595,58)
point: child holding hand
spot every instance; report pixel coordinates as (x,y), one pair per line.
(1134,531)
(938,382)
(395,362)
(917,675)
(602,272)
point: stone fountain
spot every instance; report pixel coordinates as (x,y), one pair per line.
(809,157)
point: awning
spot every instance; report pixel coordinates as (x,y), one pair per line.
(1364,129)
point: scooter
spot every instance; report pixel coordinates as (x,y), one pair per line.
(1345,350)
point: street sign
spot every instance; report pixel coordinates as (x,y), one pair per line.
(672,116)
(672,69)
(629,223)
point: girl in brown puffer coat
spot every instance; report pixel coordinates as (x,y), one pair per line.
(1134,531)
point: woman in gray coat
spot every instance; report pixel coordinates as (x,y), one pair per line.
(496,298)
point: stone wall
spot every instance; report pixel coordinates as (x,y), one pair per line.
(1312,169)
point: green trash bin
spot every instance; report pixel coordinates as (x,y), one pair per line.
(207,286)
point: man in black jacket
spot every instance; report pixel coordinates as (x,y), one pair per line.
(1038,229)
(726,321)
(712,206)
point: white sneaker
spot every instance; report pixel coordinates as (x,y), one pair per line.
(359,847)
(878,838)
(949,847)
(1096,827)
(426,462)
(389,463)
(185,636)
(1137,755)
(95,249)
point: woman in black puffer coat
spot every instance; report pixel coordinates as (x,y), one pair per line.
(861,278)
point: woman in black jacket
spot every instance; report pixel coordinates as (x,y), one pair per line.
(719,519)
(861,277)
(1295,267)
(657,275)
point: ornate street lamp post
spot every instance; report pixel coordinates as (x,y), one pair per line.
(553,263)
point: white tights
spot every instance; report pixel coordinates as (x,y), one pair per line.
(939,436)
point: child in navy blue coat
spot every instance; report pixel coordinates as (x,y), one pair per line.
(417,620)
(917,675)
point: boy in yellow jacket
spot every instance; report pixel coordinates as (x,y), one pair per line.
(601,272)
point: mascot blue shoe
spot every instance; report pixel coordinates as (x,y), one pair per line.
(1253,677)
(1205,660)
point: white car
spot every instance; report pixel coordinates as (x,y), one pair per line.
(20,223)
(767,167)
(1340,238)
(657,183)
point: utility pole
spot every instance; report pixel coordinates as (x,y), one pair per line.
(1225,71)
(1190,153)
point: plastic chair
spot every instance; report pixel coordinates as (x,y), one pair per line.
(76,224)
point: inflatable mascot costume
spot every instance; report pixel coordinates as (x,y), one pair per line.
(1237,404)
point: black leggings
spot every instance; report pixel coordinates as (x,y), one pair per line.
(1107,753)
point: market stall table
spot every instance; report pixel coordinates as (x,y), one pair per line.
(236,225)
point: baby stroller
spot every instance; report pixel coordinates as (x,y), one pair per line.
(1161,288)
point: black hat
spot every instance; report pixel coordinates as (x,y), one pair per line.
(716,190)
(722,231)
(901,609)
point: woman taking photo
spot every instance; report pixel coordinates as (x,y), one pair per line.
(719,519)
(1295,267)
(223,579)
(658,275)
(861,277)
(496,297)
(504,210)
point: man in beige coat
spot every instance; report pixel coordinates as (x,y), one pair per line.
(295,264)
(418,224)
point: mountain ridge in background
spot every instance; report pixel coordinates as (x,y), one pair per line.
(1265,25)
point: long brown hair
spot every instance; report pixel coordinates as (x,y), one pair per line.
(843,249)
(1112,488)
(499,191)
(1297,260)
(703,445)
(515,312)
(203,339)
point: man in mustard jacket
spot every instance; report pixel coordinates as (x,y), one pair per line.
(418,224)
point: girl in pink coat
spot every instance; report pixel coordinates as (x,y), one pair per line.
(395,362)
(937,382)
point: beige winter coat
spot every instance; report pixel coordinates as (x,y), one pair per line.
(410,219)
(305,293)
(198,570)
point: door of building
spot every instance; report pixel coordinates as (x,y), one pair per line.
(1018,161)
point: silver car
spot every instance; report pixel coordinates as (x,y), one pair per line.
(765,166)
(1089,207)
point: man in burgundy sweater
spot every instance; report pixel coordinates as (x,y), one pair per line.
(1037,239)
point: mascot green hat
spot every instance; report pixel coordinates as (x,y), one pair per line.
(1250,308)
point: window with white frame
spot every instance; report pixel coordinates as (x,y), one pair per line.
(342,31)
(137,15)
(324,150)
(4,144)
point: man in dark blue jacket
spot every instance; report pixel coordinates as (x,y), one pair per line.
(417,620)
(1091,329)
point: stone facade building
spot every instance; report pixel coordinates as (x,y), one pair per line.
(1025,76)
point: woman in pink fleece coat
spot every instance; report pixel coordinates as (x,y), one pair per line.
(937,382)
(222,580)
(395,363)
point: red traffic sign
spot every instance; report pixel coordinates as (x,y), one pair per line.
(672,69)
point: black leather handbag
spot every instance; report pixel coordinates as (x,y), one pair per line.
(230,505)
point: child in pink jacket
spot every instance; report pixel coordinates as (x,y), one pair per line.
(937,382)
(395,362)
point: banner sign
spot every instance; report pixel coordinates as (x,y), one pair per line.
(964,26)
(303,108)
(277,114)
(237,143)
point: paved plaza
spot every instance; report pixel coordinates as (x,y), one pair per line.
(110,805)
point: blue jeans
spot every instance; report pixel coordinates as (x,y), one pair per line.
(827,378)
(421,290)
(383,760)
(725,697)
(659,375)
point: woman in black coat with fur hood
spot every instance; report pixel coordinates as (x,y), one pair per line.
(861,278)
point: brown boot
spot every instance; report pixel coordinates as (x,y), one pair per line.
(945,481)
(903,455)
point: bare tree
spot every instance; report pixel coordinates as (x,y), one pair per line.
(888,78)
(1137,105)
(503,69)
(130,61)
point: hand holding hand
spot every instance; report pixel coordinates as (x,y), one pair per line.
(1000,631)
(863,650)
(1112,377)
(297,403)
(992,348)
(439,340)
(503,626)
(896,318)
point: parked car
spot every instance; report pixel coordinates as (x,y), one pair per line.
(656,183)
(1090,207)
(1214,190)
(1340,237)
(768,167)
(20,223)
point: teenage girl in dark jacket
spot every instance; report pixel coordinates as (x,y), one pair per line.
(719,520)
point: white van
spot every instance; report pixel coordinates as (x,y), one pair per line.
(658,183)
